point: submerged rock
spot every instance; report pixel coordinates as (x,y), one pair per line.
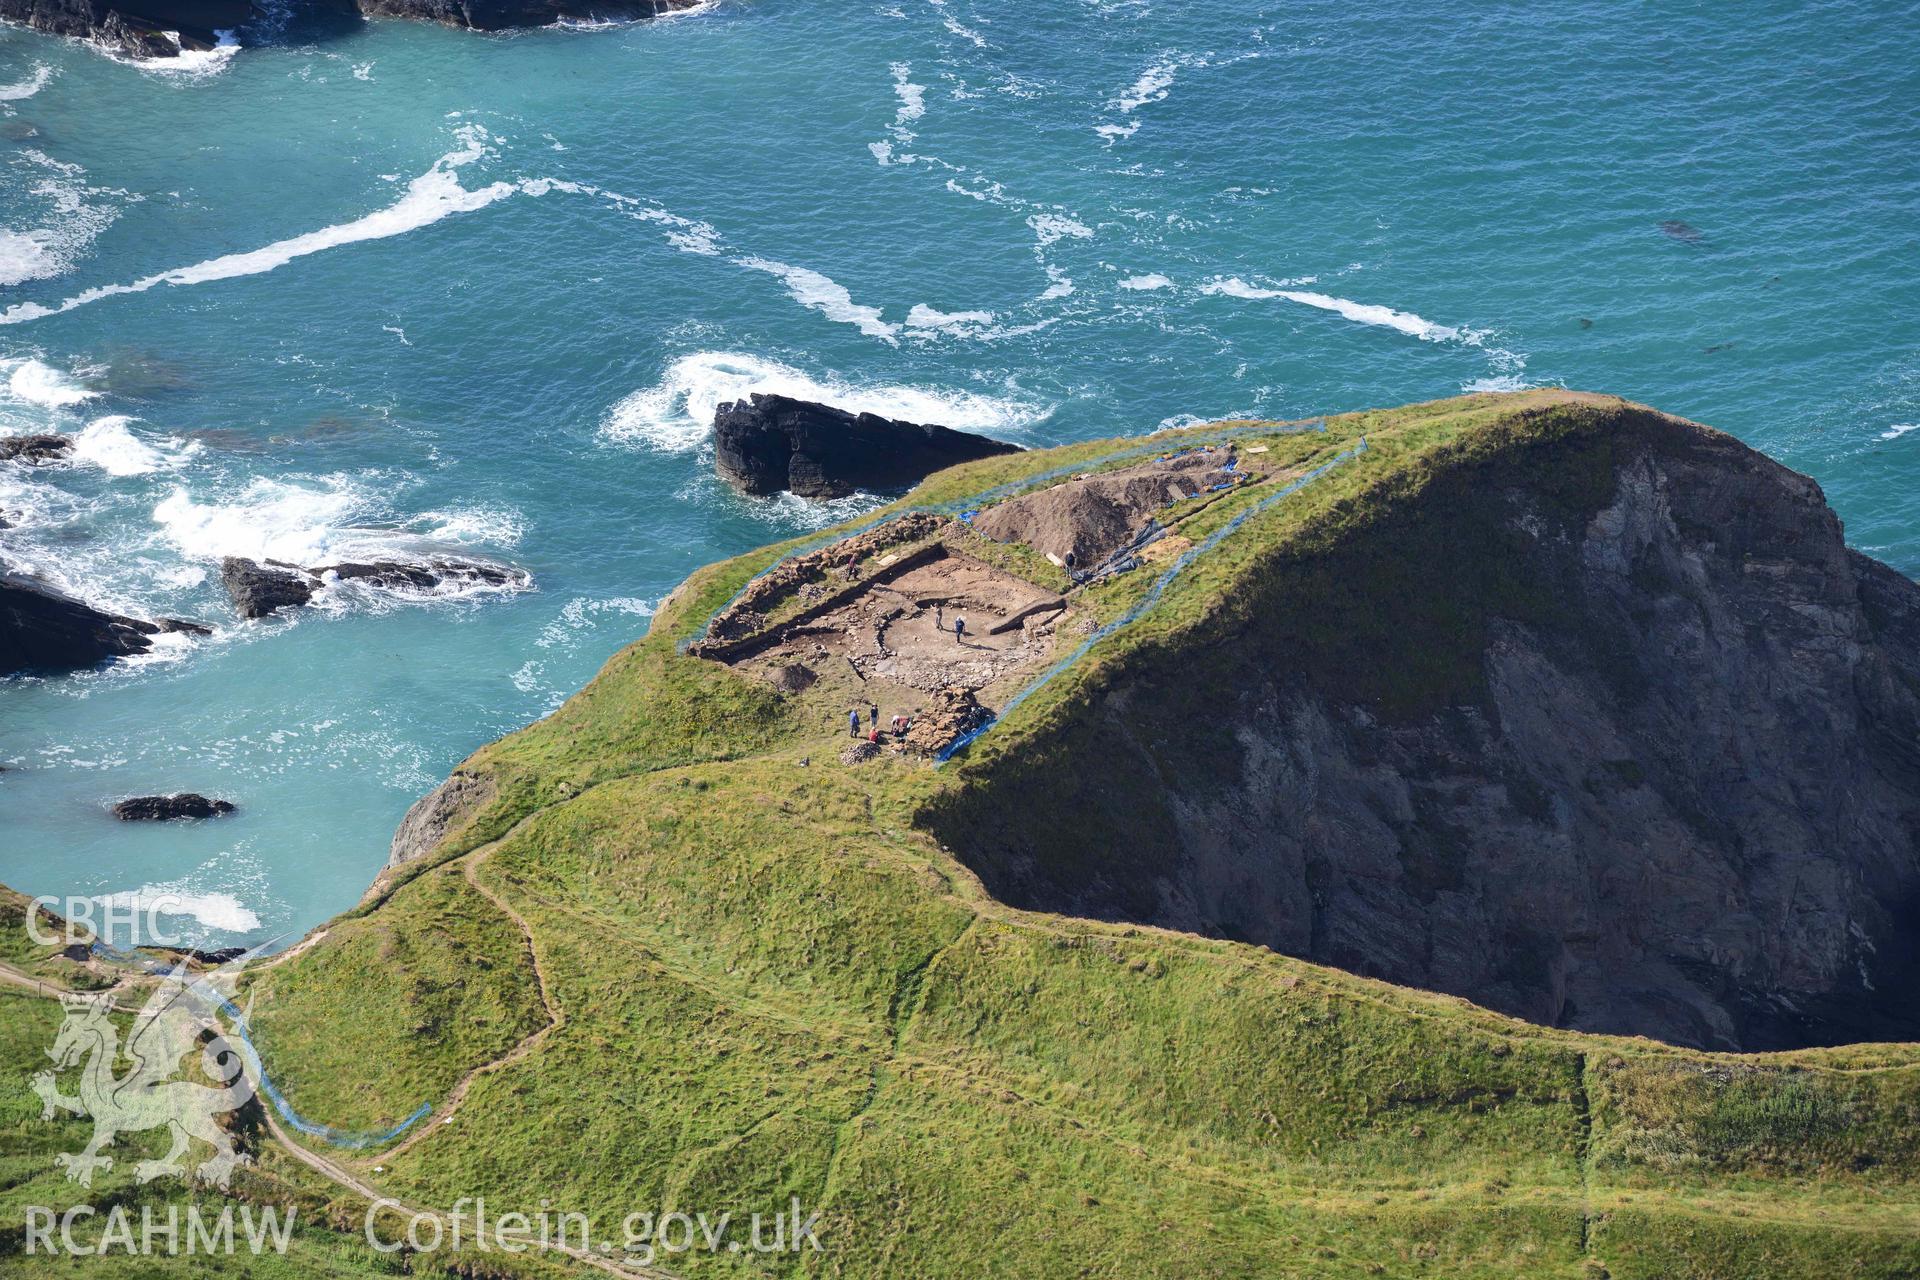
(186,804)
(44,629)
(768,443)
(42,448)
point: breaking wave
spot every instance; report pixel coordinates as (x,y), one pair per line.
(33,381)
(675,415)
(218,911)
(108,444)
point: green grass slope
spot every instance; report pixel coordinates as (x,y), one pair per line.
(682,959)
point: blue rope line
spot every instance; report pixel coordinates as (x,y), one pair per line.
(967,508)
(243,1034)
(1152,597)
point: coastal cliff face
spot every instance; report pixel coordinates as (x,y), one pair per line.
(138,29)
(1612,734)
(495,15)
(164,28)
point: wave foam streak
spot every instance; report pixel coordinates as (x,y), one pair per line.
(434,195)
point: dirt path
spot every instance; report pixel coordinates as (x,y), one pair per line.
(347,1179)
(556,1016)
(343,1177)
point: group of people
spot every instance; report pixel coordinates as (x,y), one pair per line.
(897,726)
(959,623)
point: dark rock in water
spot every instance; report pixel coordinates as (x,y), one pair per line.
(432,575)
(139,29)
(768,443)
(34,448)
(187,804)
(1681,231)
(1586,323)
(260,589)
(181,625)
(42,629)
(493,15)
(212,958)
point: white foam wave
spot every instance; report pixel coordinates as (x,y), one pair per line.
(221,911)
(1899,429)
(1361,312)
(1051,228)
(33,381)
(26,255)
(924,319)
(334,519)
(582,613)
(189,62)
(304,524)
(1153,85)
(675,415)
(33,84)
(1147,283)
(471,526)
(913,100)
(1496,382)
(1507,366)
(434,195)
(108,444)
(1117,132)
(955,26)
(70,217)
(821,293)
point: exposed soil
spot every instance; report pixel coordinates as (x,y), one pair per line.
(898,627)
(1091,517)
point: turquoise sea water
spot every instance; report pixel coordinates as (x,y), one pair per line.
(398,288)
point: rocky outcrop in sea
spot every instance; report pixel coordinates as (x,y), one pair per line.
(768,443)
(43,629)
(186,804)
(259,589)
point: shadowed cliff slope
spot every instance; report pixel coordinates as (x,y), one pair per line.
(1596,722)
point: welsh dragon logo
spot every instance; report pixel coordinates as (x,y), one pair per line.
(180,1017)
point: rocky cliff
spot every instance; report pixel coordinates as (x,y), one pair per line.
(495,15)
(44,629)
(137,28)
(163,28)
(1598,724)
